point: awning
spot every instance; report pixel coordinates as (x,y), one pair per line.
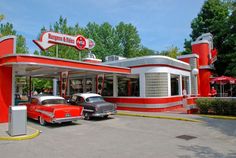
(41,66)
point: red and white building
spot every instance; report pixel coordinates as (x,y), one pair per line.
(149,83)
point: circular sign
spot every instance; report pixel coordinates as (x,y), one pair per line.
(80,42)
(91,44)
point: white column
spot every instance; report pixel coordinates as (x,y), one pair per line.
(115,86)
(189,85)
(13,86)
(169,84)
(54,86)
(142,85)
(180,85)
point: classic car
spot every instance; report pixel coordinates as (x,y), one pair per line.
(52,109)
(94,105)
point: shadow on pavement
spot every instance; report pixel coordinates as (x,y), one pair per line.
(205,152)
(227,127)
(96,119)
(55,125)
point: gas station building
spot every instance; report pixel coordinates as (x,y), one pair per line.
(149,83)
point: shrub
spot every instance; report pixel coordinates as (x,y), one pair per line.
(203,104)
(217,106)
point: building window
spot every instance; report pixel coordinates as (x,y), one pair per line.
(175,85)
(185,83)
(76,86)
(88,85)
(128,85)
(156,84)
(108,86)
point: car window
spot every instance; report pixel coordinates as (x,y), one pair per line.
(53,101)
(34,101)
(73,98)
(94,99)
(80,99)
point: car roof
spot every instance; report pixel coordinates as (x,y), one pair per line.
(87,95)
(42,98)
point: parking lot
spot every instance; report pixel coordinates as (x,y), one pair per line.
(126,137)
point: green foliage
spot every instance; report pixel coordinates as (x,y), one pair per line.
(122,40)
(172,52)
(129,39)
(40,84)
(218,17)
(1,17)
(7,29)
(144,51)
(203,104)
(217,106)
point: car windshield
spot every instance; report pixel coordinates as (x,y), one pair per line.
(94,99)
(53,101)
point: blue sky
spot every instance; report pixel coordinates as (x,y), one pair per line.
(160,23)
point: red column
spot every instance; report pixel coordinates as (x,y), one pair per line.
(7,46)
(204,75)
(5,92)
(202,48)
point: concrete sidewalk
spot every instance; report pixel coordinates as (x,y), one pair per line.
(31,133)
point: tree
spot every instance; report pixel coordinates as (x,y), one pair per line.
(172,52)
(229,45)
(144,51)
(1,17)
(7,29)
(106,38)
(129,39)
(213,18)
(122,40)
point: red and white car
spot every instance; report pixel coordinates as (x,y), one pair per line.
(52,109)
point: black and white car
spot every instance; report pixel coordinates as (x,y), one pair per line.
(94,105)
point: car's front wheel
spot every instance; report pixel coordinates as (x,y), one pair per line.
(42,122)
(105,117)
(86,116)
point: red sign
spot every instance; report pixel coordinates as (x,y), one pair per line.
(80,42)
(49,39)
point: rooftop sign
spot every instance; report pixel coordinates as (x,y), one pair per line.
(49,39)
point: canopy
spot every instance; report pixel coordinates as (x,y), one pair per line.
(222,80)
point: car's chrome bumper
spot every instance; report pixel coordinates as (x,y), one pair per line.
(103,114)
(66,119)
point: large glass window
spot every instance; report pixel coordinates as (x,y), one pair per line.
(108,86)
(156,84)
(175,85)
(128,85)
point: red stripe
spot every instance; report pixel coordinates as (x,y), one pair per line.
(144,100)
(150,109)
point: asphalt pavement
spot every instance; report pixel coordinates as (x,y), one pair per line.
(127,137)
